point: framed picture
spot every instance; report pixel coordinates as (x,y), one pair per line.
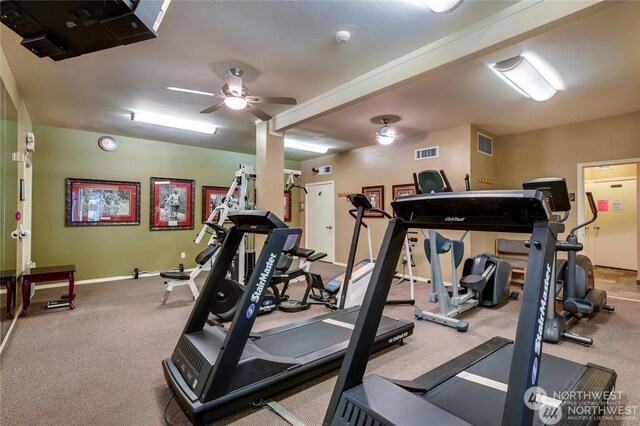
(171,203)
(92,202)
(287,206)
(212,197)
(405,189)
(375,195)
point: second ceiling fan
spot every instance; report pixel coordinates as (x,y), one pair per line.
(235,95)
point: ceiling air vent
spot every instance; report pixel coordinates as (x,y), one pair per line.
(485,144)
(424,153)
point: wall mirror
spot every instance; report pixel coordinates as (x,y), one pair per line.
(8,197)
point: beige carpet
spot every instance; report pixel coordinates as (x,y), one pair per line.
(100,364)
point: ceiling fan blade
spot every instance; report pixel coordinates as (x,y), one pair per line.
(258,113)
(271,100)
(212,108)
(234,81)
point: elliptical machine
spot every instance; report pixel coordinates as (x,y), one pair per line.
(485,279)
(574,276)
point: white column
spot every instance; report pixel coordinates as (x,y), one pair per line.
(269,170)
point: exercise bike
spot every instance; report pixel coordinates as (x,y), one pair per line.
(485,279)
(574,276)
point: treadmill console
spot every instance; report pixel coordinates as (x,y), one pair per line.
(256,221)
(359,200)
(555,189)
(497,211)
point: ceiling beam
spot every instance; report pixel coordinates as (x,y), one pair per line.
(525,18)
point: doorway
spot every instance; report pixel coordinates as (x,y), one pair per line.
(320,218)
(612,240)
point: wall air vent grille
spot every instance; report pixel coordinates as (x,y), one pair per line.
(425,153)
(485,144)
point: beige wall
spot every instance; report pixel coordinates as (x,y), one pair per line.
(105,251)
(483,172)
(388,166)
(557,151)
(547,152)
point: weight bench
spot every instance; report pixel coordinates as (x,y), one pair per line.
(180,278)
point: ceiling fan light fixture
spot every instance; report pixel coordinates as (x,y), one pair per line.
(235,102)
(173,122)
(525,78)
(441,6)
(386,134)
(320,149)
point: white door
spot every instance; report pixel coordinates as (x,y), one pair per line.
(614,233)
(319,219)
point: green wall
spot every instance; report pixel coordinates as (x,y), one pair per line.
(105,251)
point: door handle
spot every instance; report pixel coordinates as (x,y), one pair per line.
(329,227)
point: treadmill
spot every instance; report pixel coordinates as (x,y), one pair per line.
(215,372)
(487,385)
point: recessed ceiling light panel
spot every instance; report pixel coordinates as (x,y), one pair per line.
(304,146)
(170,121)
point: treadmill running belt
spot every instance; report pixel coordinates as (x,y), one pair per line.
(484,386)
(298,342)
(325,332)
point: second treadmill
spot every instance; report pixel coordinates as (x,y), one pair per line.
(498,382)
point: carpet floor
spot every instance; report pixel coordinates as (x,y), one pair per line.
(100,364)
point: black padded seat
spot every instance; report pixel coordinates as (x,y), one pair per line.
(303,252)
(316,256)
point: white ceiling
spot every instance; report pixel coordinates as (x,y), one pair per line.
(287,48)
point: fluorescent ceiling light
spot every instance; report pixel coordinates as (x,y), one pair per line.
(441,6)
(288,143)
(196,92)
(234,102)
(169,121)
(525,77)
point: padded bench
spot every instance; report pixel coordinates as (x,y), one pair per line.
(516,254)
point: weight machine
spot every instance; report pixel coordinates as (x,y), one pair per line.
(240,196)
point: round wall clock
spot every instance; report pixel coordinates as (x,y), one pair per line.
(107,143)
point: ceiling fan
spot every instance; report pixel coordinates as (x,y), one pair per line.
(235,95)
